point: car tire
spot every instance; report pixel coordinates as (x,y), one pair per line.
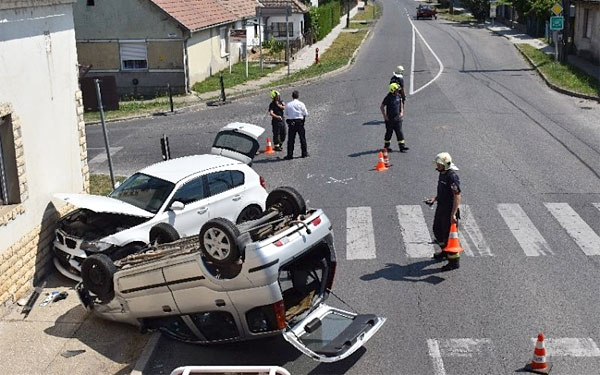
(251,212)
(97,273)
(287,200)
(163,233)
(218,241)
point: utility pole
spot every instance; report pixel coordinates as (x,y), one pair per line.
(566,40)
(347,14)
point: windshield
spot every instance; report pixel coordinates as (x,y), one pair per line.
(143,191)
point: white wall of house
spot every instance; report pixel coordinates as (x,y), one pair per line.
(39,80)
(587,30)
(297,19)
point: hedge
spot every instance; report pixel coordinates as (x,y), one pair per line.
(328,17)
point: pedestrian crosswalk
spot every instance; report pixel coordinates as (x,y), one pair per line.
(414,230)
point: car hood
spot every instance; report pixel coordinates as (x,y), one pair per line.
(99,203)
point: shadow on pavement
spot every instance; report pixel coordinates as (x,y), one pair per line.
(413,272)
(340,367)
(369,152)
(374,122)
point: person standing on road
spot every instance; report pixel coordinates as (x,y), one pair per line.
(276,108)
(398,78)
(392,110)
(295,114)
(448,200)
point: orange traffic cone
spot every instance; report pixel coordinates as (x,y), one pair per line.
(453,242)
(269,149)
(381,164)
(386,157)
(538,364)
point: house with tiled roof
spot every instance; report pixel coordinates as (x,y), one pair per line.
(145,45)
(274,25)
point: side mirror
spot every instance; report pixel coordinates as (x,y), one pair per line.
(177,206)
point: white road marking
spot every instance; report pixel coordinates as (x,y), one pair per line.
(570,347)
(360,240)
(597,205)
(530,239)
(412,61)
(469,228)
(467,347)
(582,234)
(415,234)
(101,157)
(342,181)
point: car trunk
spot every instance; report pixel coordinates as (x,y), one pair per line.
(305,281)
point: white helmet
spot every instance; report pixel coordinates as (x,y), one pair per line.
(399,70)
(444,158)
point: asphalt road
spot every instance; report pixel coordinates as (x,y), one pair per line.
(520,148)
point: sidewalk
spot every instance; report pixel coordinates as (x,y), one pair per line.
(302,60)
(63,338)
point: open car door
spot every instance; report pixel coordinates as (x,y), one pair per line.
(329,334)
(238,141)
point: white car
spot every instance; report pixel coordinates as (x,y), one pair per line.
(263,277)
(183,193)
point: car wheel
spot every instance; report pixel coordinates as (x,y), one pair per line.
(163,233)
(218,241)
(97,273)
(251,212)
(287,200)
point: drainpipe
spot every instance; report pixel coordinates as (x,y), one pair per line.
(186,70)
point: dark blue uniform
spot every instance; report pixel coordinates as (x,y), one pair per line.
(448,186)
(277,125)
(393,124)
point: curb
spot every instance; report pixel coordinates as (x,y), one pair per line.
(553,86)
(144,359)
(544,78)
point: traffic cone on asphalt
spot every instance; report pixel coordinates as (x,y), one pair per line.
(381,164)
(538,364)
(453,245)
(269,149)
(386,157)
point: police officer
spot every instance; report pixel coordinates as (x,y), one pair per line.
(448,200)
(276,108)
(398,78)
(295,114)
(392,111)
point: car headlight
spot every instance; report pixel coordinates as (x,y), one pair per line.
(94,246)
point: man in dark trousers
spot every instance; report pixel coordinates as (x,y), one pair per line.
(295,114)
(392,110)
(398,78)
(276,108)
(448,200)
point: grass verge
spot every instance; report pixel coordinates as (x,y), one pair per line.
(456,17)
(135,108)
(562,75)
(237,76)
(100,183)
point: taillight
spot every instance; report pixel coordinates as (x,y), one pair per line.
(331,275)
(281,242)
(316,221)
(279,309)
(263,183)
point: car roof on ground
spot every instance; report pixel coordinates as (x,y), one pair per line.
(175,170)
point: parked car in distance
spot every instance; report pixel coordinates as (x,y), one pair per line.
(185,193)
(264,277)
(426,11)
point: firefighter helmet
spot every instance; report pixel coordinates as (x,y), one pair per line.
(399,70)
(444,158)
(394,87)
(274,94)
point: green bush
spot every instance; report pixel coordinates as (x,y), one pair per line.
(328,16)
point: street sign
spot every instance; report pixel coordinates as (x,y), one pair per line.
(237,35)
(557,22)
(556,9)
(492,10)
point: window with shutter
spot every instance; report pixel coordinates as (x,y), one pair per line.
(133,55)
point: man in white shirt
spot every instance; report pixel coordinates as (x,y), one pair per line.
(295,114)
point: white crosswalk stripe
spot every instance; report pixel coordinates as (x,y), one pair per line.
(360,239)
(470,230)
(415,233)
(530,239)
(579,230)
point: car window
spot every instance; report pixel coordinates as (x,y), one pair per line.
(219,182)
(216,325)
(191,191)
(237,177)
(143,191)
(235,141)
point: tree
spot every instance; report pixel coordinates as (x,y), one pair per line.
(478,8)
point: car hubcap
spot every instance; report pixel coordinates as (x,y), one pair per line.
(217,244)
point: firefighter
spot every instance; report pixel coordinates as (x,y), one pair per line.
(447,212)
(393,111)
(276,108)
(398,78)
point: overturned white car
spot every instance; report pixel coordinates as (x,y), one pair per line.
(233,282)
